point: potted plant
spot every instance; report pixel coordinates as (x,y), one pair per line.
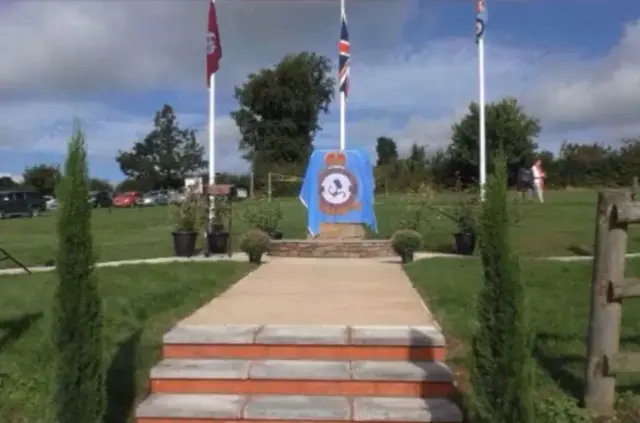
(265,215)
(217,235)
(255,243)
(189,217)
(463,214)
(405,242)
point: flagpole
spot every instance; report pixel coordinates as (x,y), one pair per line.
(343,102)
(481,115)
(212,144)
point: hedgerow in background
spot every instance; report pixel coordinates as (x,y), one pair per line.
(502,369)
(79,391)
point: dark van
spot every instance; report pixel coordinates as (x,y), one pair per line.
(17,203)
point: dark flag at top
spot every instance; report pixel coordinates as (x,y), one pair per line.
(214,48)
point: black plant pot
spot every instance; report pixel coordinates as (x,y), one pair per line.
(465,243)
(275,235)
(407,257)
(255,258)
(218,242)
(184,243)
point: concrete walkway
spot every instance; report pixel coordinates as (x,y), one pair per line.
(318,292)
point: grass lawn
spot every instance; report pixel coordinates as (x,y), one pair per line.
(140,304)
(559,295)
(564,225)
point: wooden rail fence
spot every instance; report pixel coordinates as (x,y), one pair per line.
(609,286)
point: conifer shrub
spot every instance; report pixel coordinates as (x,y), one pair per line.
(79,390)
(502,368)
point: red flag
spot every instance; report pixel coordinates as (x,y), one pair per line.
(214,48)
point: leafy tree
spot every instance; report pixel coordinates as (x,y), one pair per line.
(165,155)
(501,371)
(7,183)
(508,129)
(279,110)
(43,178)
(77,310)
(97,184)
(387,151)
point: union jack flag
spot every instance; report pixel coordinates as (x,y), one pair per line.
(345,56)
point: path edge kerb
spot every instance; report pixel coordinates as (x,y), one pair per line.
(243,257)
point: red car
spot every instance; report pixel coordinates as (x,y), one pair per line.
(126,199)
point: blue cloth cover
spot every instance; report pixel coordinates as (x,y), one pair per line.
(338,187)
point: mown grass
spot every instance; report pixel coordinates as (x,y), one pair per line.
(558,295)
(563,225)
(140,303)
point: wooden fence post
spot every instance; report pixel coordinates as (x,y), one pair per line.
(603,337)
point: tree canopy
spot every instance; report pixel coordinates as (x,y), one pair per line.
(279,108)
(508,129)
(387,151)
(42,177)
(7,183)
(165,155)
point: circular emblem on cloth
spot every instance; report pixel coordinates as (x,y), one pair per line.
(211,43)
(338,190)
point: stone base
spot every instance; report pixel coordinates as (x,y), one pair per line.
(331,248)
(340,231)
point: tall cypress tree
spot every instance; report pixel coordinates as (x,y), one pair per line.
(77,309)
(502,369)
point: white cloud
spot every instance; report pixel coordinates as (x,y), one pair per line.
(56,54)
(71,46)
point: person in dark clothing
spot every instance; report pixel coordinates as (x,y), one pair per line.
(524,183)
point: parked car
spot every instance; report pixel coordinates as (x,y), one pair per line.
(154,198)
(100,199)
(16,203)
(176,197)
(126,199)
(50,202)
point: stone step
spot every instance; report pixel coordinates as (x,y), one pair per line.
(201,408)
(304,377)
(305,342)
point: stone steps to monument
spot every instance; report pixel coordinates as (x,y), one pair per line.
(414,343)
(331,248)
(207,408)
(273,373)
(305,377)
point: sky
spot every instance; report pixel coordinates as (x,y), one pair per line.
(574,64)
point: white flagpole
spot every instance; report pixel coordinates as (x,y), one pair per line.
(481,112)
(343,140)
(212,143)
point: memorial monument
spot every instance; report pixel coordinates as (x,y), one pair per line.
(338,192)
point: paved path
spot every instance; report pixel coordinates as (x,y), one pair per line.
(318,292)
(243,257)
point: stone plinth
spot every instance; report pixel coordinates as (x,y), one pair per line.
(340,231)
(330,248)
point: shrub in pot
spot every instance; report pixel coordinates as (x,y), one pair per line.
(463,214)
(255,243)
(188,218)
(405,243)
(217,235)
(265,215)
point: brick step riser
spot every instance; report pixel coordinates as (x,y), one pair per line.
(304,352)
(187,420)
(304,387)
